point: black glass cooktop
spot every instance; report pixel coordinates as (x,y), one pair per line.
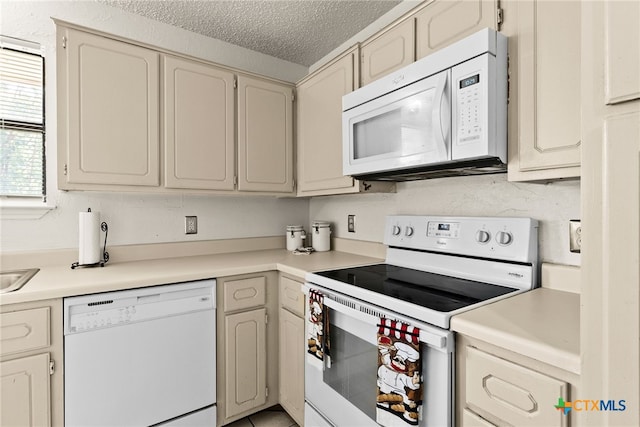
(430,290)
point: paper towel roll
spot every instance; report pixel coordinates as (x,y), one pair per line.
(89,244)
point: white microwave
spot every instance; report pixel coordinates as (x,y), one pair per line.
(443,115)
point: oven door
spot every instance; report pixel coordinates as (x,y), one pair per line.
(342,388)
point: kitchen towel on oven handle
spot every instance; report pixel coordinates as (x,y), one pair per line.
(399,394)
(316,328)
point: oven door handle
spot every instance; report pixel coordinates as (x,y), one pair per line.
(426,337)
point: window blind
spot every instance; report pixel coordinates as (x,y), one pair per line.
(22,160)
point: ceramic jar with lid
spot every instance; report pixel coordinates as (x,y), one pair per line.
(321,233)
(295,237)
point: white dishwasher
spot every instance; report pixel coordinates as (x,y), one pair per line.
(141,357)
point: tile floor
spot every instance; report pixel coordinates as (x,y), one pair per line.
(271,417)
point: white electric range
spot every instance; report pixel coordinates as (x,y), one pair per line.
(435,268)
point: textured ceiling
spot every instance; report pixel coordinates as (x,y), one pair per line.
(300,31)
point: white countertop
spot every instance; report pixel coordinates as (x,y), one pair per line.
(543,324)
(62,281)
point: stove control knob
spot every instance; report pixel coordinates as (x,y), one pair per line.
(396,230)
(483,236)
(504,238)
(408,231)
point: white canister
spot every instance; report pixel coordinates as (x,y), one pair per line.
(295,237)
(321,231)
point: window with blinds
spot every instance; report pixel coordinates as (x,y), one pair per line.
(22,159)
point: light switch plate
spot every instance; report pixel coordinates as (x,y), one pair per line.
(575,235)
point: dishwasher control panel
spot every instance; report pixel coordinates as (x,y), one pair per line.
(110,309)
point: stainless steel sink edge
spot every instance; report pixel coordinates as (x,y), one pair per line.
(11,281)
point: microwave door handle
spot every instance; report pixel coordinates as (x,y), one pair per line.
(441,111)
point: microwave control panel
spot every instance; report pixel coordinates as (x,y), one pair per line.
(478,109)
(469,108)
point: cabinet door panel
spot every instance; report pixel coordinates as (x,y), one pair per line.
(622,70)
(113,108)
(444,22)
(292,354)
(199,108)
(265,136)
(245,347)
(388,52)
(545,89)
(549,72)
(25,391)
(320,127)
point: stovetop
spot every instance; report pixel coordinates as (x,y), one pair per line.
(429,290)
(437,267)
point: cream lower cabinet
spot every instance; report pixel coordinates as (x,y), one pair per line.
(246,365)
(495,387)
(292,350)
(31,364)
(247,344)
(544,88)
(199,125)
(108,108)
(265,135)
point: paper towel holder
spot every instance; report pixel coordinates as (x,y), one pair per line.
(105,255)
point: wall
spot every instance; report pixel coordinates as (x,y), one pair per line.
(138,218)
(552,204)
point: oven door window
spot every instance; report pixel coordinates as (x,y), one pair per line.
(351,367)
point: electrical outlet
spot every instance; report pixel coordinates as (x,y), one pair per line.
(575,235)
(190,225)
(351,223)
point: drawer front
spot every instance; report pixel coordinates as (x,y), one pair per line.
(512,393)
(291,296)
(24,331)
(245,293)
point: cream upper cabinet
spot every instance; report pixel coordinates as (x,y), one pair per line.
(622,69)
(544,88)
(389,51)
(443,22)
(109,112)
(319,127)
(265,135)
(199,125)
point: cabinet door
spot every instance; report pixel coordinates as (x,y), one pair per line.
(25,391)
(199,125)
(245,359)
(265,136)
(388,52)
(320,128)
(443,22)
(545,79)
(112,92)
(292,354)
